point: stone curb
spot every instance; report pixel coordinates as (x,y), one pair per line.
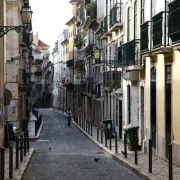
(112,155)
(20,172)
(38,133)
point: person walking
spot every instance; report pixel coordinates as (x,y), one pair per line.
(68,114)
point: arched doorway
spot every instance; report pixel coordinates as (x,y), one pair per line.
(153,107)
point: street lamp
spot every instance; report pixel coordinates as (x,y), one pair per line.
(26,14)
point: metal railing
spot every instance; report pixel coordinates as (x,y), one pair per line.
(144,45)
(130,53)
(174,23)
(159,29)
(115,15)
(78,39)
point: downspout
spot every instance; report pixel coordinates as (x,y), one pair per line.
(151,27)
(165,23)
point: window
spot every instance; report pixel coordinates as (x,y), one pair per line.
(128,24)
(135,19)
(142,11)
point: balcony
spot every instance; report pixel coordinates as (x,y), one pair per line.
(87,2)
(70,87)
(106,78)
(78,40)
(174,23)
(116,20)
(144,46)
(79,64)
(70,63)
(89,51)
(120,56)
(81,88)
(130,53)
(99,91)
(105,28)
(159,32)
(116,76)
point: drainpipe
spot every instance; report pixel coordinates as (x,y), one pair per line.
(151,27)
(165,24)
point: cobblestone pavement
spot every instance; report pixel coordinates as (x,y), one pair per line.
(64,153)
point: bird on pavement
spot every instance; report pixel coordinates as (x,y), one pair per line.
(49,149)
(96,159)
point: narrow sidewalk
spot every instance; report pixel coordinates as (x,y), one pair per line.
(159,166)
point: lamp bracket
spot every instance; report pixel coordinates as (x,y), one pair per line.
(111,63)
(5,29)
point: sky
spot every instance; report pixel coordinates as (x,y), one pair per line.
(49,18)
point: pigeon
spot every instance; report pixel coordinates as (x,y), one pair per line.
(96,159)
(49,149)
(123,152)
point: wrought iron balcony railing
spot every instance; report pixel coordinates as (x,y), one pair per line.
(104,25)
(79,64)
(174,23)
(159,29)
(70,63)
(115,15)
(87,2)
(89,51)
(81,88)
(106,78)
(98,90)
(116,77)
(120,56)
(144,46)
(78,39)
(130,53)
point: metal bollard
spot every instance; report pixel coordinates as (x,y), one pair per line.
(91,129)
(21,148)
(110,142)
(11,160)
(101,136)
(116,144)
(17,152)
(86,125)
(28,146)
(170,163)
(106,132)
(97,133)
(125,145)
(25,142)
(150,156)
(2,165)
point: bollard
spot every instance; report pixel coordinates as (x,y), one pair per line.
(170,163)
(101,136)
(116,144)
(110,142)
(106,132)
(11,160)
(17,152)
(28,146)
(2,165)
(88,127)
(135,156)
(125,145)
(25,142)
(91,129)
(97,133)
(21,148)
(150,156)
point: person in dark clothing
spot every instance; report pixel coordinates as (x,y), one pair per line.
(68,114)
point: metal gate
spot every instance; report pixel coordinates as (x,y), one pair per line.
(168,105)
(153,107)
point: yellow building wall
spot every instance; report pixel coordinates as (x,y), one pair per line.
(71,39)
(147,92)
(160,94)
(176,97)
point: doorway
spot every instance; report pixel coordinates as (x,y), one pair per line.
(168,80)
(153,107)
(129,103)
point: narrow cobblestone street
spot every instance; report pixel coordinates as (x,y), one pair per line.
(64,153)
